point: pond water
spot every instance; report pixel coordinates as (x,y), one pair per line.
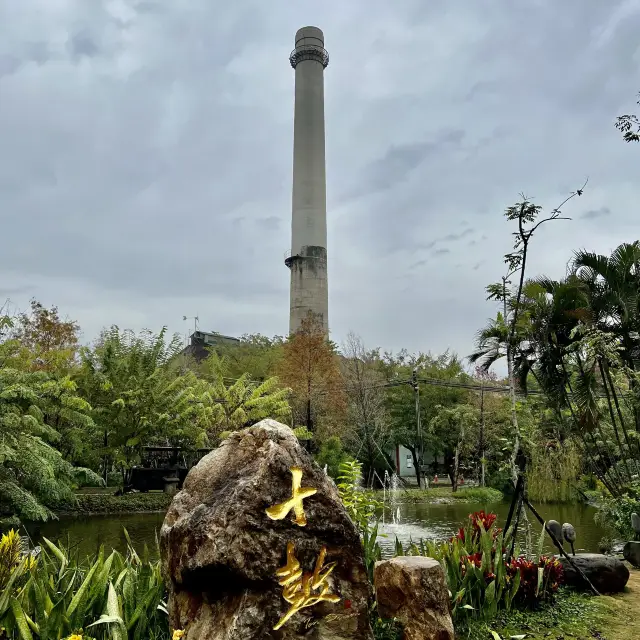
(438,521)
(411,522)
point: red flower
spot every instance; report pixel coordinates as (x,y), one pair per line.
(552,577)
(459,536)
(480,517)
(475,559)
(347,604)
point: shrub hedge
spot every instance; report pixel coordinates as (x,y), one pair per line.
(471,495)
(88,503)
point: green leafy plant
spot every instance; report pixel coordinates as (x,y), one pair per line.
(386,629)
(479,579)
(361,505)
(333,455)
(118,596)
(362,508)
(34,477)
(615,513)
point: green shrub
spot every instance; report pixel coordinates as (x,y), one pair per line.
(120,596)
(333,456)
(362,508)
(361,505)
(128,503)
(588,482)
(502,480)
(472,495)
(615,513)
(386,629)
(479,579)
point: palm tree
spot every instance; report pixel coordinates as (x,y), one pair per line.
(612,287)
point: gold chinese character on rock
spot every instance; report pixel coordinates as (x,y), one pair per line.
(301,589)
(280,511)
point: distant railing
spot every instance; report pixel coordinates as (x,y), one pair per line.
(309,52)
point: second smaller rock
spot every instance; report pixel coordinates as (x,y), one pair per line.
(412,589)
(606,573)
(631,553)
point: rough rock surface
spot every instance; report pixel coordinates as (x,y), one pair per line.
(607,573)
(631,553)
(413,590)
(220,550)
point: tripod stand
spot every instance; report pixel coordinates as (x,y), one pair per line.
(520,500)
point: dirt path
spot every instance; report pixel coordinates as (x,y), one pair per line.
(623,619)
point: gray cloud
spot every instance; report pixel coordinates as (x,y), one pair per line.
(145,165)
(82,44)
(452,237)
(271,223)
(592,214)
(400,160)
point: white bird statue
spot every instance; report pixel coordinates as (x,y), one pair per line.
(569,534)
(635,524)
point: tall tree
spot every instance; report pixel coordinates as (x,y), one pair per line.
(34,477)
(453,428)
(242,402)
(401,404)
(368,418)
(255,355)
(487,405)
(310,367)
(140,395)
(49,343)
(502,336)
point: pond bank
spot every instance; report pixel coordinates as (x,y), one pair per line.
(443,495)
(97,502)
(104,503)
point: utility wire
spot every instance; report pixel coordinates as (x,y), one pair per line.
(437,382)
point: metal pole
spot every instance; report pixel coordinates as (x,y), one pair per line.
(482,435)
(416,389)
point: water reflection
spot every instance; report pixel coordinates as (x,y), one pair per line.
(404,521)
(440,521)
(85,534)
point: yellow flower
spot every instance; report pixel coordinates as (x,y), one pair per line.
(75,636)
(177,634)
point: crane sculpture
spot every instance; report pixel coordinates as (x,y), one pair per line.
(569,534)
(635,524)
(556,528)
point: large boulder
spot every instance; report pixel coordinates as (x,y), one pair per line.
(234,545)
(412,589)
(606,573)
(631,553)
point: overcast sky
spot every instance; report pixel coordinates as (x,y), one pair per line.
(146,152)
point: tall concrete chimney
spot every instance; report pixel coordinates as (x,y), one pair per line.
(308,258)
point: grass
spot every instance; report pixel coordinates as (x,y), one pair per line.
(93,503)
(444,495)
(572,615)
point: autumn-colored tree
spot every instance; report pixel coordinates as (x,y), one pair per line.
(310,367)
(48,342)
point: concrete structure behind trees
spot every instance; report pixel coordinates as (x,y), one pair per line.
(308,257)
(202,342)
